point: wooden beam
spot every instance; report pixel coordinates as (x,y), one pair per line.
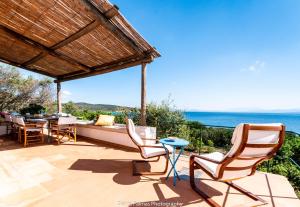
(110,26)
(120,62)
(66,41)
(113,11)
(43,48)
(143,95)
(91,26)
(107,69)
(58,94)
(35,59)
(26,68)
(104,66)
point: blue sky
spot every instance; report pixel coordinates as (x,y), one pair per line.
(216,56)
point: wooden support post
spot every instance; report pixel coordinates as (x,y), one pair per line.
(143,95)
(59,106)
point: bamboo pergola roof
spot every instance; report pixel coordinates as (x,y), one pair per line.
(69,39)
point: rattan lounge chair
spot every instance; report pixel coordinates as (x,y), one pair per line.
(155,150)
(252,144)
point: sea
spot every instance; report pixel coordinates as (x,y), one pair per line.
(231,119)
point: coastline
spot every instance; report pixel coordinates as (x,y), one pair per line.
(231,119)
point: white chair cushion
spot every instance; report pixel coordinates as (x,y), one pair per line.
(209,166)
(254,137)
(66,120)
(33,130)
(20,121)
(132,133)
(151,151)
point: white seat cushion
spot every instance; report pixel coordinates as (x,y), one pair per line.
(151,151)
(211,167)
(33,130)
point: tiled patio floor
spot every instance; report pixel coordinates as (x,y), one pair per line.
(89,174)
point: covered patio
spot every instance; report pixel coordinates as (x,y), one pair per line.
(68,40)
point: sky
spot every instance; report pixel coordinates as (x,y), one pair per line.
(232,55)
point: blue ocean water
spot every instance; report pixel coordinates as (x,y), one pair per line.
(231,119)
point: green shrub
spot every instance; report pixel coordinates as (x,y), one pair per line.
(210,143)
(70,108)
(33,109)
(167,120)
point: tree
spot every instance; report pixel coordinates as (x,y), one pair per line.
(166,118)
(70,108)
(17,91)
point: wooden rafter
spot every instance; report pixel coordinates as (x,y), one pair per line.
(108,68)
(111,44)
(43,48)
(120,61)
(104,66)
(113,11)
(110,26)
(77,35)
(66,41)
(26,68)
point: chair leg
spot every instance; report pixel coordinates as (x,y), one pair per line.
(75,134)
(42,137)
(207,198)
(136,173)
(25,138)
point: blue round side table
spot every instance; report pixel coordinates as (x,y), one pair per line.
(175,143)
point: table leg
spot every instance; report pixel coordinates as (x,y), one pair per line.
(174,167)
(173,163)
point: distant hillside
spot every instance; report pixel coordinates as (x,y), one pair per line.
(101,107)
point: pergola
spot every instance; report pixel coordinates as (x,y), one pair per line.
(71,39)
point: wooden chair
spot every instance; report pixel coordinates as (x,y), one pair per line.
(64,127)
(29,133)
(155,150)
(9,124)
(252,144)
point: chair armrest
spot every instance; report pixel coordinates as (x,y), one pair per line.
(150,139)
(145,140)
(30,125)
(206,158)
(168,152)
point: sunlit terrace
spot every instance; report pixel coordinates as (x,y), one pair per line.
(58,160)
(94,174)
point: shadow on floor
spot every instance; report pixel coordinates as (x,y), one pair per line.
(185,194)
(121,167)
(10,143)
(123,176)
(270,194)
